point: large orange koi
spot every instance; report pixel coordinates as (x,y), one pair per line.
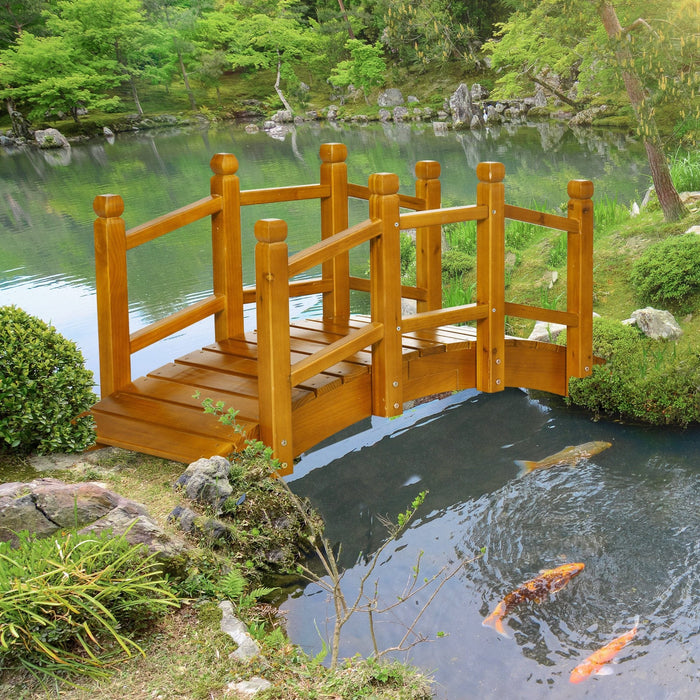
(595,663)
(549,581)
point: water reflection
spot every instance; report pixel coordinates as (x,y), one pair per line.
(630,514)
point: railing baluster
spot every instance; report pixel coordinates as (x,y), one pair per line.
(385,301)
(274,363)
(112,293)
(490,278)
(429,238)
(579,280)
(227,259)
(334,218)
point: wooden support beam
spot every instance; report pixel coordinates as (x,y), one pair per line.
(227,258)
(385,297)
(429,238)
(334,218)
(112,293)
(579,280)
(274,385)
(490,278)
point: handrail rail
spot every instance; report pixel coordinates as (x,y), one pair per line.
(335,245)
(443,317)
(291,193)
(173,220)
(449,215)
(538,313)
(541,218)
(177,321)
(329,355)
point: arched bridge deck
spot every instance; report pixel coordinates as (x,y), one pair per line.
(296,383)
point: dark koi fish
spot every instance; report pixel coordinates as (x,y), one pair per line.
(595,663)
(549,581)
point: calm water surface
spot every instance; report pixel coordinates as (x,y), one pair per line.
(630,513)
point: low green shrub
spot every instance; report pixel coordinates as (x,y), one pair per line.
(643,380)
(69,604)
(456,263)
(668,272)
(44,388)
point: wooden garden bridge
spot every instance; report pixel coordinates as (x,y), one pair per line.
(296,383)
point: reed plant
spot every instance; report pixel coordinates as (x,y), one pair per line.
(70,603)
(685,170)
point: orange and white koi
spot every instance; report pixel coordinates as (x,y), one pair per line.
(595,663)
(549,581)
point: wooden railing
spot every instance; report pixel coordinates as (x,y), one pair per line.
(276,270)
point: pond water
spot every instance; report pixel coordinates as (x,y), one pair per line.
(630,513)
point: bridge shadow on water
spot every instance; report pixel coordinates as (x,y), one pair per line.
(629,513)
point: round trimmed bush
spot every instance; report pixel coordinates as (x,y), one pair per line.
(45,389)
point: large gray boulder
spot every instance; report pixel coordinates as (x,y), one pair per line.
(45,506)
(206,481)
(657,324)
(390,98)
(50,138)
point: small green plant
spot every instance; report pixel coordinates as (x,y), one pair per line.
(69,604)
(685,169)
(454,293)
(557,253)
(45,390)
(668,272)
(608,213)
(456,263)
(518,234)
(462,236)
(546,299)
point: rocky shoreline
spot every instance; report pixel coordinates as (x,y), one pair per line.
(466,108)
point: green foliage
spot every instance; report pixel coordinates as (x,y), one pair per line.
(462,236)
(668,272)
(643,380)
(407,253)
(519,233)
(44,388)
(685,169)
(455,293)
(557,253)
(456,263)
(69,604)
(366,69)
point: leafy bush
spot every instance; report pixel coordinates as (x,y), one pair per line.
(456,263)
(68,603)
(642,380)
(668,272)
(44,388)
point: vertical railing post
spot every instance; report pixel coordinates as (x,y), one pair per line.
(274,363)
(227,259)
(334,218)
(490,278)
(429,238)
(385,292)
(112,293)
(579,280)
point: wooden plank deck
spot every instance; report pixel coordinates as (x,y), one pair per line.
(159,414)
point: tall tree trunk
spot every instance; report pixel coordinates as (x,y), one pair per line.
(135,95)
(186,80)
(278,90)
(669,200)
(351,34)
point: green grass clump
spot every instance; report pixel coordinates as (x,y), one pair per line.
(69,604)
(685,171)
(644,380)
(668,272)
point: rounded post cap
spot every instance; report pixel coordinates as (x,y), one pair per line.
(108,206)
(383,183)
(428,169)
(580,189)
(490,171)
(270,230)
(224,164)
(333,152)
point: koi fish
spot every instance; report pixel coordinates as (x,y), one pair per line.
(595,663)
(549,581)
(570,456)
